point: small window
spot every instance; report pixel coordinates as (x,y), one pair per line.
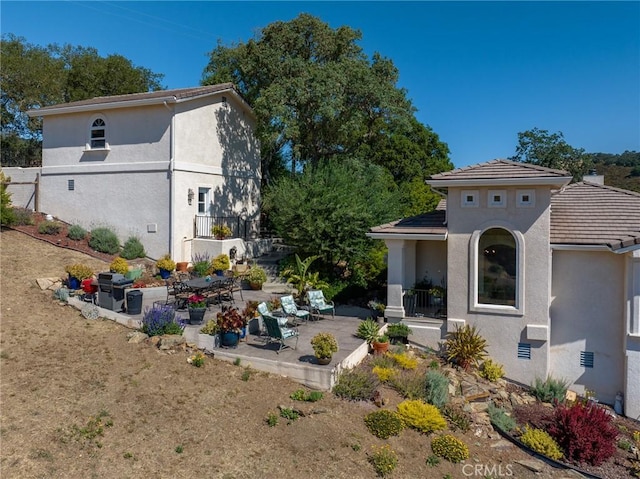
(98,135)
(497,199)
(469,199)
(525,198)
(524,351)
(586,359)
(71,185)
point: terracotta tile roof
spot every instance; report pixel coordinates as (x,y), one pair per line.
(591,214)
(499,170)
(426,223)
(178,94)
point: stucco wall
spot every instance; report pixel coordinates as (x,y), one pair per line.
(134,135)
(587,314)
(431,261)
(131,205)
(503,328)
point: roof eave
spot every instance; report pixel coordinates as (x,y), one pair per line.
(559,182)
(408,236)
(101,106)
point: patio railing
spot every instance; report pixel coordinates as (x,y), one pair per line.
(421,303)
(240,228)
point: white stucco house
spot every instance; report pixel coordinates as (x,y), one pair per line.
(548,271)
(161,166)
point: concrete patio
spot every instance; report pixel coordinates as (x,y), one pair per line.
(299,365)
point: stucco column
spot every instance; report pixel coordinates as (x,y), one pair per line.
(632,340)
(395,279)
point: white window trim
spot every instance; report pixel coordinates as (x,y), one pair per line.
(469,204)
(207,201)
(474,305)
(87,146)
(497,204)
(532,198)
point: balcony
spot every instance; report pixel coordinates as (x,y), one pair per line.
(240,228)
(431,303)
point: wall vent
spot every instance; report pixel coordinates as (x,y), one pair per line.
(71,185)
(524,351)
(586,359)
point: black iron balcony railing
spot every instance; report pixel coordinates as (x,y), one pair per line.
(425,303)
(240,228)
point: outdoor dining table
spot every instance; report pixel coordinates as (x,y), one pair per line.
(210,287)
(200,284)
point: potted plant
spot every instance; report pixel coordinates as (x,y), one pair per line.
(119,265)
(221,232)
(377,308)
(324,345)
(201,264)
(436,293)
(380,345)
(250,313)
(398,333)
(211,328)
(77,272)
(230,323)
(256,277)
(368,330)
(221,263)
(166,265)
(197,306)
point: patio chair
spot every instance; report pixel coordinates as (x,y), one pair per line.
(279,334)
(291,309)
(177,294)
(263,309)
(319,305)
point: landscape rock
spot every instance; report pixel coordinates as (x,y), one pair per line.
(136,337)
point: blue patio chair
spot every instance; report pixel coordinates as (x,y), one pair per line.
(291,309)
(280,334)
(319,305)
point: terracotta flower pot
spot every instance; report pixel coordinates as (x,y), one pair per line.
(182,266)
(380,348)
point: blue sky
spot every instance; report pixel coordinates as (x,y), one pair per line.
(478,72)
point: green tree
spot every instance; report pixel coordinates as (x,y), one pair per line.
(550,150)
(327,209)
(7,216)
(315,93)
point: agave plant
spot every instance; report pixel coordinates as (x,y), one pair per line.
(465,347)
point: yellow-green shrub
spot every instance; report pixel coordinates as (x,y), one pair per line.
(491,371)
(384,423)
(540,441)
(119,265)
(421,416)
(450,448)
(384,374)
(405,361)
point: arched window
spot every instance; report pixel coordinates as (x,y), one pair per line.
(497,271)
(98,134)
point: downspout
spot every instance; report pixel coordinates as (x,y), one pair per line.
(172,193)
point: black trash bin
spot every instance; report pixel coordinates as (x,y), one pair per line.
(134,301)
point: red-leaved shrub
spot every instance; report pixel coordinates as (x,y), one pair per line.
(584,432)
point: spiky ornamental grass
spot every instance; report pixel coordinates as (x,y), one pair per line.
(465,347)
